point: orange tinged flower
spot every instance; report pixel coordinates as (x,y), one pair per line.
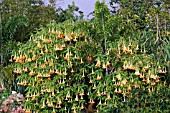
(118,76)
(90,81)
(28,60)
(124,82)
(46,50)
(27,111)
(124,66)
(115,90)
(53,111)
(72,71)
(89,59)
(76,99)
(25,69)
(119,56)
(98,63)
(98,77)
(43,66)
(31,73)
(108,63)
(65,72)
(83,74)
(75,39)
(129,88)
(67,38)
(157,80)
(124,48)
(145,56)
(81,62)
(94,86)
(147,80)
(143,70)
(91,101)
(152,76)
(51,104)
(82,106)
(50,64)
(137,72)
(81,94)
(131,53)
(61,48)
(104,66)
(146,67)
(10,60)
(33,97)
(43,106)
(72,35)
(20,72)
(92,72)
(39,46)
(137,47)
(61,36)
(33,58)
(119,91)
(136,86)
(47,41)
(108,97)
(141,76)
(100,103)
(49,78)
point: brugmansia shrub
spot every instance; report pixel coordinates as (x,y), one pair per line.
(64,70)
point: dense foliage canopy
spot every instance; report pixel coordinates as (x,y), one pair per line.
(111,63)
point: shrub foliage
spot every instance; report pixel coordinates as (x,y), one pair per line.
(64,70)
(86,66)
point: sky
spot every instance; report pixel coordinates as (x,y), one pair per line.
(86,6)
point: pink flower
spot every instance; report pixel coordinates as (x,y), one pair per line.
(19,95)
(10,107)
(1,89)
(5,108)
(12,97)
(6,102)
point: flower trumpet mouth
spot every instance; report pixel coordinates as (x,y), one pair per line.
(98,77)
(108,97)
(91,101)
(137,72)
(108,64)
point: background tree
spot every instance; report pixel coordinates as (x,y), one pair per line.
(35,10)
(72,12)
(8,44)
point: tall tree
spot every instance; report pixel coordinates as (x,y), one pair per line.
(71,12)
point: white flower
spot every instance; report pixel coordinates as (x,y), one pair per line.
(14,92)
(3,97)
